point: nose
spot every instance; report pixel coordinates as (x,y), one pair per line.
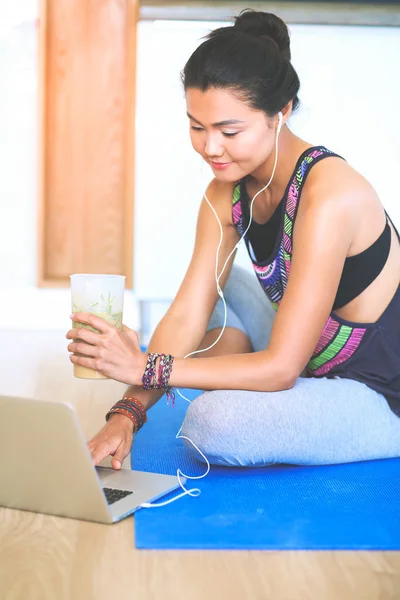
(213,147)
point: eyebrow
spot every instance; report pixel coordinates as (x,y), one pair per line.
(220,123)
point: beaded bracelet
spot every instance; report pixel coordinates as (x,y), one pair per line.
(131,408)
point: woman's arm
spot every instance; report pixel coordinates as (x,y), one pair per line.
(324,231)
(183,327)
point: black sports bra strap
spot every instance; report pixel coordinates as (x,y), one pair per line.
(393,225)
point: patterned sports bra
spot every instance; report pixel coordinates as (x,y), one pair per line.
(366,352)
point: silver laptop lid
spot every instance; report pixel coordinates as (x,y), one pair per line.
(45,465)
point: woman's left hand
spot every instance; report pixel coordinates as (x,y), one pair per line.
(110,351)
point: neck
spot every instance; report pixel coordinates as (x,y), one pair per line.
(289,149)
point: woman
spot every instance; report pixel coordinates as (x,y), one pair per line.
(307,370)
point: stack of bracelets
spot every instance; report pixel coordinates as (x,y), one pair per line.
(159,381)
(154,378)
(131,408)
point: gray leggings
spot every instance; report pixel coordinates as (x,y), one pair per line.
(318,421)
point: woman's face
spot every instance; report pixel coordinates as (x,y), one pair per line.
(233,139)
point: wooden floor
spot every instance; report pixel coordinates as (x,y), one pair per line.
(51,558)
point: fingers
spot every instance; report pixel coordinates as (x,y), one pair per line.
(92,320)
(83,334)
(91,336)
(119,456)
(89,363)
(99,451)
(84,349)
(117,445)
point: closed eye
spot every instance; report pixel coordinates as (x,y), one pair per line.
(224,133)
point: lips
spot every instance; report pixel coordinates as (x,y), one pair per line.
(220,165)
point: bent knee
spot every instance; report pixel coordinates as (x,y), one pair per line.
(200,424)
(206,428)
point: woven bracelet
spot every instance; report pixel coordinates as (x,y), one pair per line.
(149,379)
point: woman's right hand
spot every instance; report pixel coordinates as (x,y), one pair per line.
(114,439)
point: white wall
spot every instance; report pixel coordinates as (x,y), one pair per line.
(17,152)
(350,87)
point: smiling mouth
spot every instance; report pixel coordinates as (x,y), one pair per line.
(219,165)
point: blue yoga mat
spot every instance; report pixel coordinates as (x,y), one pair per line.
(283,507)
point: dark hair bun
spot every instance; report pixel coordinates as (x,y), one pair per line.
(251,59)
(262,24)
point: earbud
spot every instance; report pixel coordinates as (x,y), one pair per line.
(280,122)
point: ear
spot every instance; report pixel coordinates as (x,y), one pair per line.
(287,111)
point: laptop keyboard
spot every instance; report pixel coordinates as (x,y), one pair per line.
(115,495)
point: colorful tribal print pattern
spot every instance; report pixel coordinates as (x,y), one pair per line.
(338,342)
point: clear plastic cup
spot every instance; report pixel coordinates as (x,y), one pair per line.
(101,295)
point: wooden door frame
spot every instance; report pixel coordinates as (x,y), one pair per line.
(132,17)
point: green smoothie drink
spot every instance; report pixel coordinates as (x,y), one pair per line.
(101,295)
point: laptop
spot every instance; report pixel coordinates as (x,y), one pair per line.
(46,467)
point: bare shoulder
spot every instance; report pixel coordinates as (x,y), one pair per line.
(336,191)
(218,191)
(334,181)
(220,194)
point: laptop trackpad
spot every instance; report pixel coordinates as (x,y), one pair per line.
(103,473)
(123,479)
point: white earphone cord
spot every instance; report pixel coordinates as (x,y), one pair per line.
(196,491)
